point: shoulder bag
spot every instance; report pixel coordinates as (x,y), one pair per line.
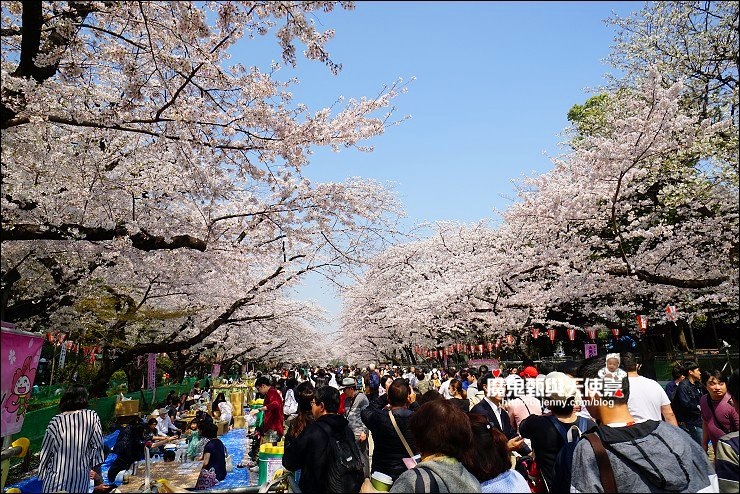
(606,472)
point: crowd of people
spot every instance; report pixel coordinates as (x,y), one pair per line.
(590,426)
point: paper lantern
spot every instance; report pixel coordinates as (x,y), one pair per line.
(510,339)
(615,332)
(642,323)
(591,333)
(571,334)
(489,346)
(498,343)
(535,333)
(551,334)
(671,312)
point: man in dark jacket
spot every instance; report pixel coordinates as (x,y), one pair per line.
(685,403)
(129,448)
(308,451)
(490,407)
(389,450)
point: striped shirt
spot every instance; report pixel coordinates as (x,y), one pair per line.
(72,446)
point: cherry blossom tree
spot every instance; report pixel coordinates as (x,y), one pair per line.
(140,165)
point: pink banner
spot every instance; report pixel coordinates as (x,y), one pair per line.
(590,350)
(216,370)
(152,371)
(20,357)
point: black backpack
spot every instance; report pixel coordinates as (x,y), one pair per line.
(564,458)
(345,471)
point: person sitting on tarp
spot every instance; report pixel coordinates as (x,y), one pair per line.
(129,448)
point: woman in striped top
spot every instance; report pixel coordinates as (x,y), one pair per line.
(72,446)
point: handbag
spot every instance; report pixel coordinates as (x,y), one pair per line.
(206,479)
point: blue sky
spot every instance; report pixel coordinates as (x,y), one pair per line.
(494,83)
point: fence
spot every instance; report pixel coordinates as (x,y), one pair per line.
(36,421)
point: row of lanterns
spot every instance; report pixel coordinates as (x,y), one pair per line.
(57,338)
(489,346)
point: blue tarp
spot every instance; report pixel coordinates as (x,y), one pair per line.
(234,440)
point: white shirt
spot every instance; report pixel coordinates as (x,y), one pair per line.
(164,425)
(444,389)
(496,412)
(646,398)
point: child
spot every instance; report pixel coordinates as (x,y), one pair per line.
(612,370)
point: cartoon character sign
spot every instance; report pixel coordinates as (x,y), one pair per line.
(18,400)
(19,354)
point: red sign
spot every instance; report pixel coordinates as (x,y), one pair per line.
(571,334)
(591,333)
(551,333)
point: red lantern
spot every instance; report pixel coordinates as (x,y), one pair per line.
(642,323)
(50,337)
(571,334)
(671,312)
(535,333)
(551,333)
(489,346)
(615,332)
(591,333)
(458,347)
(510,339)
(68,345)
(498,343)
(61,337)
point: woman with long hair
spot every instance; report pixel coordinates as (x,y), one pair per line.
(72,445)
(459,396)
(304,394)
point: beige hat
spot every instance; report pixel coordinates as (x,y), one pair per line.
(348,382)
(559,387)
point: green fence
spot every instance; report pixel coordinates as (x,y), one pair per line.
(36,421)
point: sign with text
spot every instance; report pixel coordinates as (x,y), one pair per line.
(20,357)
(590,350)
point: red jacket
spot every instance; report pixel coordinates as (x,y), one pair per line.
(274,414)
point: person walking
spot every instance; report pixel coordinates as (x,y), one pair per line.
(72,445)
(685,403)
(651,456)
(355,403)
(728,446)
(307,451)
(648,400)
(390,450)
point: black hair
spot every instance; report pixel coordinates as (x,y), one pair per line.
(398,392)
(714,373)
(569,367)
(545,367)
(677,371)
(261,380)
(151,421)
(628,361)
(689,366)
(208,429)
(74,398)
(329,397)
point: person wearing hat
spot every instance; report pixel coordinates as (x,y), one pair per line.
(560,393)
(165,427)
(355,403)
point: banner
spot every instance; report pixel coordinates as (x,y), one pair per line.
(151,371)
(590,350)
(20,357)
(216,370)
(62,356)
